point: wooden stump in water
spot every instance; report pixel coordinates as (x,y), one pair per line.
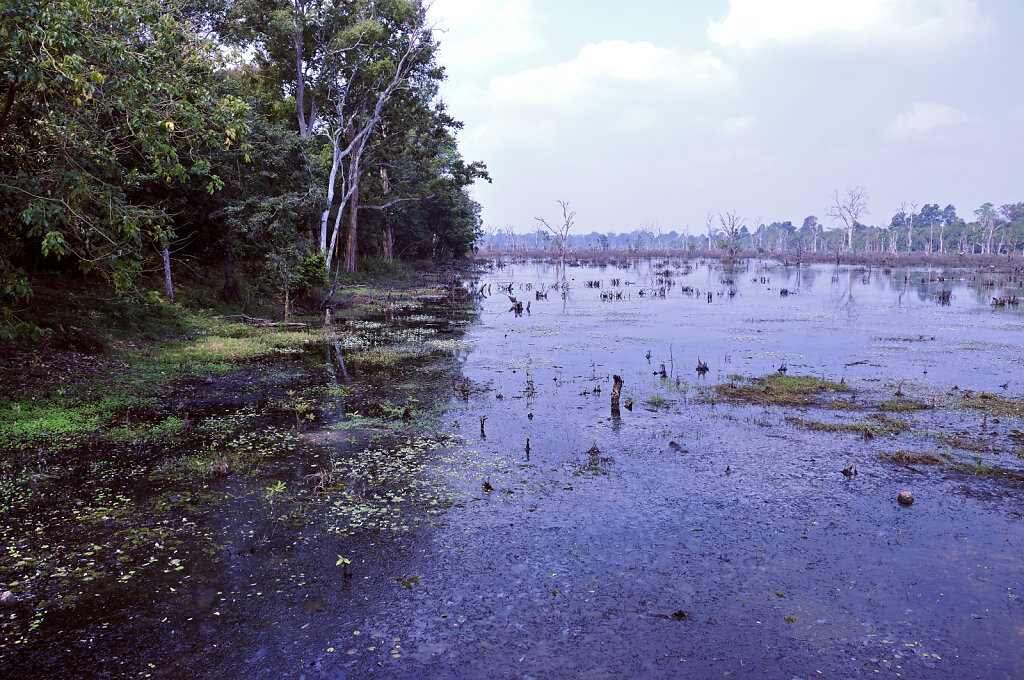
(616,391)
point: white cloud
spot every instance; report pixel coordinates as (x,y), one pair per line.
(479,34)
(900,24)
(928,117)
(608,70)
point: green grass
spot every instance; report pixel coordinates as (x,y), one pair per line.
(134,380)
(778,389)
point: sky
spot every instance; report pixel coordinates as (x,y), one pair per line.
(659,112)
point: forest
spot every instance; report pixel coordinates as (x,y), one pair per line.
(276,141)
(927,229)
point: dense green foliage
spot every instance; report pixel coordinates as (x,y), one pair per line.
(131,134)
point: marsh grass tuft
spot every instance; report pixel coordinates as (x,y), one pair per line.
(993,404)
(903,405)
(779,390)
(912,458)
(967,442)
(845,405)
(875,425)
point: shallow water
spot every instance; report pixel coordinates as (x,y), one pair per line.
(700,539)
(782,566)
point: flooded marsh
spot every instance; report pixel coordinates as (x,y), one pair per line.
(439,486)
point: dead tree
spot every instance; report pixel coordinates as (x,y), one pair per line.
(849,209)
(730,231)
(710,225)
(561,232)
(908,222)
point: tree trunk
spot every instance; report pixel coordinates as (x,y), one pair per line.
(300,86)
(227,267)
(353,222)
(331,179)
(389,245)
(167,272)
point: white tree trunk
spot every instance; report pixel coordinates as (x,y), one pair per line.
(335,163)
(167,272)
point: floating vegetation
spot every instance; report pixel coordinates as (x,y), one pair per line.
(119,475)
(385,357)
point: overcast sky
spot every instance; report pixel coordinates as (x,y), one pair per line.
(660,111)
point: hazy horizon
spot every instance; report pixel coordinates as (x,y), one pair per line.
(674,110)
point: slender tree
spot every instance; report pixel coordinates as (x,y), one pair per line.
(988,222)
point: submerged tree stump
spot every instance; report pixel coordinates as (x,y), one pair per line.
(616,391)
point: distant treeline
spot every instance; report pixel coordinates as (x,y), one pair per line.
(928,230)
(278,139)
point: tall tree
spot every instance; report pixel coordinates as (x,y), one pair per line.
(381,49)
(107,108)
(948,219)
(290,40)
(813,228)
(988,222)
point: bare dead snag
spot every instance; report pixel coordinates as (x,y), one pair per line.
(616,391)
